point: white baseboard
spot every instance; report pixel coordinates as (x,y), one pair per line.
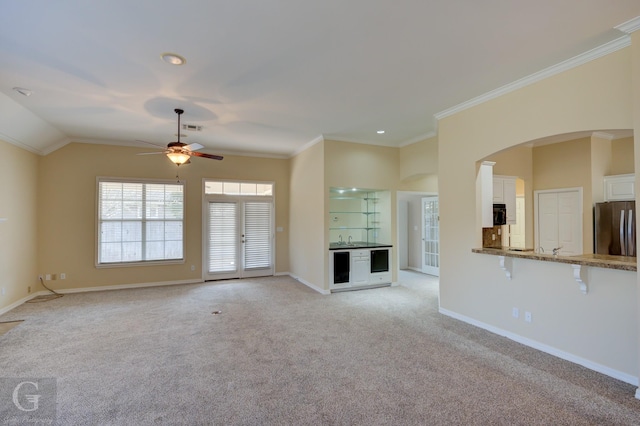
(100,288)
(411,268)
(279,274)
(627,378)
(310,285)
(126,286)
(21,301)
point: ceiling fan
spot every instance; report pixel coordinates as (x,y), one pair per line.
(180,153)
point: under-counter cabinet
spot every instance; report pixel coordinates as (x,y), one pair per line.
(359,267)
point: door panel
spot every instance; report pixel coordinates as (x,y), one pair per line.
(430,236)
(239,239)
(548,221)
(560,221)
(222,239)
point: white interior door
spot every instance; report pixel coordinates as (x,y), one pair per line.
(239,239)
(559,221)
(430,236)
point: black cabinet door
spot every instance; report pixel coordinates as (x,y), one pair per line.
(341,267)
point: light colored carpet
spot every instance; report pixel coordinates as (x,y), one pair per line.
(280,353)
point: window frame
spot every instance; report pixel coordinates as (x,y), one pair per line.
(98,220)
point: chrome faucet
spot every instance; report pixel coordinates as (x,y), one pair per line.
(556,251)
(340,242)
(349,239)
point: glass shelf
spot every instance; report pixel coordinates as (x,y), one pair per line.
(353,227)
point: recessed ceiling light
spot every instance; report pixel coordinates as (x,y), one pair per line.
(173,59)
(380,132)
(23,91)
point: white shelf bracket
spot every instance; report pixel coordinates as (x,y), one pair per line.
(506,265)
(577,275)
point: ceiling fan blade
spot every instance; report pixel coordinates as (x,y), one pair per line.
(211,156)
(150,153)
(150,143)
(193,147)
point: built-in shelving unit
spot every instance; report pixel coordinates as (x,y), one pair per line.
(355,213)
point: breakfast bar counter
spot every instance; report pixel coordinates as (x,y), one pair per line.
(624,263)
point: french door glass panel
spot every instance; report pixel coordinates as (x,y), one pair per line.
(223,236)
(430,236)
(257,235)
(240,239)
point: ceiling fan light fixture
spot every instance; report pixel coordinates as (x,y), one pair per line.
(178,158)
(173,58)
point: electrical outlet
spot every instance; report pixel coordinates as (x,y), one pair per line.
(515,312)
(527,316)
(63,276)
(40,277)
(47,277)
(4,291)
(493,237)
(193,267)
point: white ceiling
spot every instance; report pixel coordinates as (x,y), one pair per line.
(270,77)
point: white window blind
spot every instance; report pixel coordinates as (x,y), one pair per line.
(222,237)
(139,221)
(257,235)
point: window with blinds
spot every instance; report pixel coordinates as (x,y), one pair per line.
(140,221)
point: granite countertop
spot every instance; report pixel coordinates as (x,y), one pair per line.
(356,245)
(624,263)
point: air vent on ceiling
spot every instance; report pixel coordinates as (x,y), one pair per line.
(192,127)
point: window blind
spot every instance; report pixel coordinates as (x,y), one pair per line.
(139,221)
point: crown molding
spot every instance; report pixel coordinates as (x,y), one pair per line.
(308,145)
(603,135)
(630,26)
(598,52)
(56,146)
(418,138)
(19,144)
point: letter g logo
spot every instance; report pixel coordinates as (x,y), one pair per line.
(33,399)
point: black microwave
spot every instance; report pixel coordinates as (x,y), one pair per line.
(499,214)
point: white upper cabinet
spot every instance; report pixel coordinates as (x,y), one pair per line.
(620,187)
(504,191)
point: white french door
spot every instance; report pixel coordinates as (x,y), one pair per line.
(430,236)
(239,238)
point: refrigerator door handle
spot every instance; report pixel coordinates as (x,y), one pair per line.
(631,242)
(623,250)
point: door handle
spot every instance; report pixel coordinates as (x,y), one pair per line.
(623,250)
(630,240)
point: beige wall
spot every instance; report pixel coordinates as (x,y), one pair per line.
(67,217)
(622,156)
(307,218)
(593,96)
(419,159)
(18,234)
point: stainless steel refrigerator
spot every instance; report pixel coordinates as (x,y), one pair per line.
(615,228)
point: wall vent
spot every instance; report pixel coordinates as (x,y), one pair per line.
(192,127)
